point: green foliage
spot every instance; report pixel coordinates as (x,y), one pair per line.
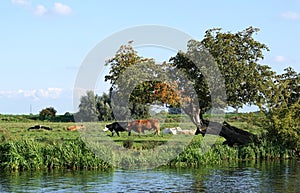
(198,154)
(131,78)
(100,108)
(47,113)
(88,108)
(283,125)
(282,110)
(31,155)
(103,106)
(237,56)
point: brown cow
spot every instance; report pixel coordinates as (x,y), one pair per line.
(141,125)
(75,127)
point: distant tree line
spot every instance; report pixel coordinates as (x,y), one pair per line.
(95,107)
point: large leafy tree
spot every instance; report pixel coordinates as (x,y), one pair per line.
(236,56)
(131,82)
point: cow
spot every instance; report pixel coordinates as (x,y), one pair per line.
(116,127)
(178,130)
(75,127)
(141,125)
(39,127)
(173,130)
(187,132)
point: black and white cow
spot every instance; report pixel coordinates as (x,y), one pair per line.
(40,127)
(116,127)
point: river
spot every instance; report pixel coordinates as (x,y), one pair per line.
(264,176)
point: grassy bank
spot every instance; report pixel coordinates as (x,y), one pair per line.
(21,149)
(74,154)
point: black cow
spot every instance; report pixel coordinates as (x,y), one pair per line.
(39,127)
(116,127)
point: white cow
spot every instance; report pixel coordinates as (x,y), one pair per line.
(178,130)
(173,131)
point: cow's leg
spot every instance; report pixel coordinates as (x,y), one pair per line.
(118,133)
(129,133)
(140,130)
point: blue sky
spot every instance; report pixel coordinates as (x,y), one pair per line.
(43,43)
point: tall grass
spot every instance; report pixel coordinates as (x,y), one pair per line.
(196,155)
(32,155)
(74,154)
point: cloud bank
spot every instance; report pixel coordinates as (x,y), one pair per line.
(35,94)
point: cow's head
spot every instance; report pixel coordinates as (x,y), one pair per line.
(108,127)
(105,129)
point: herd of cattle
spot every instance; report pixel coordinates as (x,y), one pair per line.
(70,128)
(139,126)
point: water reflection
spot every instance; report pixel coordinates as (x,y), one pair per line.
(239,177)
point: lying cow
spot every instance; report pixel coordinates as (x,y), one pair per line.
(75,127)
(141,125)
(39,127)
(178,130)
(173,131)
(187,132)
(116,127)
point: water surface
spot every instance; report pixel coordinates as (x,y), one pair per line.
(272,176)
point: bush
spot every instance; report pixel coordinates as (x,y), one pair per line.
(284,125)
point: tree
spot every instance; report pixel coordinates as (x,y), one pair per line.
(87,108)
(128,86)
(283,109)
(47,113)
(236,56)
(285,89)
(103,105)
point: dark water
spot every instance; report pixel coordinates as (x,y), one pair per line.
(280,176)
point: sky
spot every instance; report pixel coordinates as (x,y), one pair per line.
(44,43)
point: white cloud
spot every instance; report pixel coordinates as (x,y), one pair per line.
(35,94)
(50,93)
(279,59)
(61,9)
(40,10)
(20,2)
(290,15)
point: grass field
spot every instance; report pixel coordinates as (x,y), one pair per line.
(14,128)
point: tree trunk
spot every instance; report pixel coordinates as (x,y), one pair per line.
(233,135)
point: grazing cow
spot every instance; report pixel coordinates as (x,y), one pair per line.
(141,125)
(75,127)
(39,127)
(116,127)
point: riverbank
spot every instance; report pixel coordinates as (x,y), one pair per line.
(74,154)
